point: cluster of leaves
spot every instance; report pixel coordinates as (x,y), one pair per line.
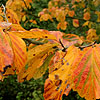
(73,62)
(81,15)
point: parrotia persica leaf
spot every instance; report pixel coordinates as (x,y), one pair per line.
(59,81)
(19,51)
(13,54)
(86,73)
(38,61)
(33,33)
(6,52)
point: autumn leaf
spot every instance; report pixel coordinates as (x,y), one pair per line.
(6,52)
(65,39)
(62,25)
(71,13)
(33,33)
(86,69)
(86,23)
(86,16)
(13,54)
(38,60)
(46,17)
(75,22)
(92,36)
(19,50)
(12,16)
(59,81)
(98,14)
(60,15)
(17,6)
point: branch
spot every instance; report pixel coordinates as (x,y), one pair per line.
(82,47)
(64,48)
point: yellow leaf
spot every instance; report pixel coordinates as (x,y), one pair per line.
(34,33)
(62,25)
(17,6)
(46,17)
(23,18)
(36,61)
(92,35)
(86,23)
(98,14)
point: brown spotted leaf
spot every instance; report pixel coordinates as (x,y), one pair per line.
(59,81)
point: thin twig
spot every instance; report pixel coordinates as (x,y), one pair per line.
(64,48)
(4,10)
(82,47)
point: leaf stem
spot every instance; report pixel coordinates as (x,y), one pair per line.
(34,42)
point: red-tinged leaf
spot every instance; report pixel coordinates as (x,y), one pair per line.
(19,50)
(86,73)
(72,39)
(6,53)
(67,39)
(86,16)
(59,81)
(75,22)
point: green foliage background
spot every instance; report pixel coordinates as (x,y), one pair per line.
(10,89)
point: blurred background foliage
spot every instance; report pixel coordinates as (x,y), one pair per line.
(10,89)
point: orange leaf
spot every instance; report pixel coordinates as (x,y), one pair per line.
(71,13)
(62,25)
(86,16)
(92,36)
(6,53)
(11,16)
(46,17)
(19,50)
